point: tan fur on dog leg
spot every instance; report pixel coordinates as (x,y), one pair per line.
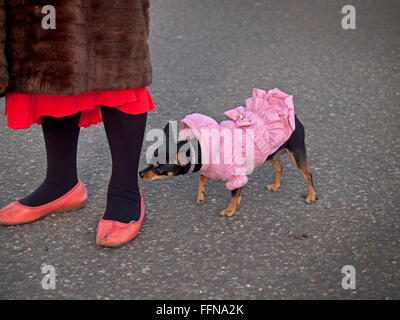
(235,202)
(201,186)
(277,165)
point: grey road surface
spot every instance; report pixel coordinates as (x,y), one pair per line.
(207,57)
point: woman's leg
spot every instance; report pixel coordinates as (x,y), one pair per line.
(125,135)
(61,140)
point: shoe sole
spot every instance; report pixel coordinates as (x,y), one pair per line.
(111,246)
(106,245)
(70,209)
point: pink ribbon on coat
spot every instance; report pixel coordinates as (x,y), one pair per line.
(241,116)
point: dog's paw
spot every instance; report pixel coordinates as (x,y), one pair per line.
(200,198)
(273,187)
(310,199)
(227,212)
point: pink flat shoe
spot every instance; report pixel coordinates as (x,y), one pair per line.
(16,213)
(115,234)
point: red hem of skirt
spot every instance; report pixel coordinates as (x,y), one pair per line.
(23,110)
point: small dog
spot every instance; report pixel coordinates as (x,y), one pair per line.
(274,129)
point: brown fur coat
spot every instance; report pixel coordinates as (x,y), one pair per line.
(97,45)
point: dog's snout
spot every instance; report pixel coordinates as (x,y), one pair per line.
(142,173)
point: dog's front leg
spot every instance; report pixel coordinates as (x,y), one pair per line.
(277,165)
(200,190)
(235,202)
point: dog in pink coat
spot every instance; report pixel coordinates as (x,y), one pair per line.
(262,130)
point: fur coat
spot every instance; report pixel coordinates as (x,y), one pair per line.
(97,45)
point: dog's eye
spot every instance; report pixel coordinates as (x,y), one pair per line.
(157,168)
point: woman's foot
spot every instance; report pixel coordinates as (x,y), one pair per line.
(47,193)
(122,205)
(61,141)
(112,233)
(17,213)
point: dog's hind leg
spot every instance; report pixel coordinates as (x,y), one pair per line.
(297,152)
(235,202)
(277,165)
(200,190)
(306,173)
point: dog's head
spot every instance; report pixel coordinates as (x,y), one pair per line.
(166,165)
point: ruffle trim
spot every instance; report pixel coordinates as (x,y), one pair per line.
(23,110)
(276,110)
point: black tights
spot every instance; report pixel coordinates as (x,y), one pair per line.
(125,135)
(61,141)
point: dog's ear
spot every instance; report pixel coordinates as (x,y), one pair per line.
(166,131)
(170,132)
(183,154)
(182,158)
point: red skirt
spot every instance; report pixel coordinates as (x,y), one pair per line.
(23,110)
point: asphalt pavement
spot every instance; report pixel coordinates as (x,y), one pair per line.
(207,57)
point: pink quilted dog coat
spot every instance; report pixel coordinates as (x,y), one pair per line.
(232,149)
